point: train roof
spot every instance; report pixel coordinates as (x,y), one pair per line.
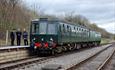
(59,20)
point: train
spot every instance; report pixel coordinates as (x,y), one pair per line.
(57,36)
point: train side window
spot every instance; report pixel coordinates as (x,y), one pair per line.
(70,29)
(67,28)
(81,29)
(74,28)
(77,28)
(63,28)
(60,28)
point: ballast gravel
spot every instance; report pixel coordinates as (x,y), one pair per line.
(94,63)
(65,61)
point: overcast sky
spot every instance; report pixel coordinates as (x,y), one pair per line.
(101,12)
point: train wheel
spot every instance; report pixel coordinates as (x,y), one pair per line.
(64,48)
(58,50)
(72,46)
(78,46)
(52,52)
(96,44)
(75,46)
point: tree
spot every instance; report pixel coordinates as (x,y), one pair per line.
(78,19)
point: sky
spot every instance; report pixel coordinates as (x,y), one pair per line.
(101,12)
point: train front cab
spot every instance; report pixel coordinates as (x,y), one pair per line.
(43,36)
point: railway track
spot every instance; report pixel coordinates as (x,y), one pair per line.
(26,61)
(101,67)
(38,60)
(63,61)
(110,65)
(20,63)
(95,62)
(23,62)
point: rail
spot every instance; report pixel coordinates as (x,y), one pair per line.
(82,62)
(101,67)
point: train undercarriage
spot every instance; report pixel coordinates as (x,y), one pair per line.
(65,47)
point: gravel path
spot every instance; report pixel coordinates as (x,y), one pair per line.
(94,63)
(66,61)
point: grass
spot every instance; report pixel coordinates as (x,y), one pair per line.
(105,41)
(2,42)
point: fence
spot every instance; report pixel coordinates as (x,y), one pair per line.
(4,39)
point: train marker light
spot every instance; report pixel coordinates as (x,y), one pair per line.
(38,44)
(46,45)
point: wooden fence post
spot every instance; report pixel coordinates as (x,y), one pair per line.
(6,37)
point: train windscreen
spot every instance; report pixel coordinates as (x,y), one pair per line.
(44,28)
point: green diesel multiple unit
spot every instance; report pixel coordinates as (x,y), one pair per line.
(54,36)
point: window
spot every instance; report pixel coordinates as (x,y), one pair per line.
(63,28)
(35,28)
(42,28)
(82,29)
(51,28)
(68,28)
(74,28)
(79,29)
(60,28)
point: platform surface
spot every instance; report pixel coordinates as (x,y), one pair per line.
(12,47)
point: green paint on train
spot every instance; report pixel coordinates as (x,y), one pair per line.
(53,35)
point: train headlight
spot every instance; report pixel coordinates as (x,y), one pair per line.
(35,47)
(42,39)
(34,39)
(51,39)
